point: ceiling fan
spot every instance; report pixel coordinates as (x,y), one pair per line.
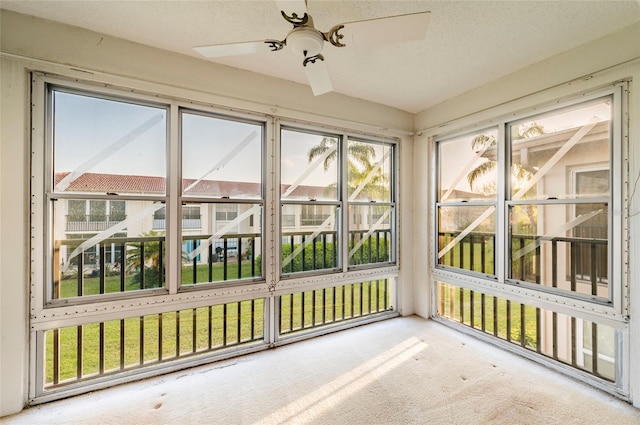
(306,41)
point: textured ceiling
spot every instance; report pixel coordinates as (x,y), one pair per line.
(468,44)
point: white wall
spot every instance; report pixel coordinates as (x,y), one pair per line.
(34,44)
(14,237)
(590,66)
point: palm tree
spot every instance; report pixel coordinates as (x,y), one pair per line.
(376,187)
(519,173)
(360,153)
(360,164)
(146,260)
(527,223)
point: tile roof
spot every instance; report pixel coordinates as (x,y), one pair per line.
(117,183)
(129,184)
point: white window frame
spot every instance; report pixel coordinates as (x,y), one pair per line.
(73,313)
(616,310)
(343,203)
(41,262)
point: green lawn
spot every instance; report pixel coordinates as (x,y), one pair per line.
(91,285)
(160,336)
(463,250)
(496,320)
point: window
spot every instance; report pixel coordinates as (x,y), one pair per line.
(588,263)
(526,232)
(92,216)
(467,202)
(226,212)
(222,183)
(538,188)
(314,215)
(288,219)
(110,208)
(191,218)
(104,148)
(370,202)
(317,202)
(310,187)
(557,230)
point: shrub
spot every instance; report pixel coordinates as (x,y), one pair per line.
(325,256)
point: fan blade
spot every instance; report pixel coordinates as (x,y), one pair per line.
(391,29)
(233,49)
(318,77)
(292,6)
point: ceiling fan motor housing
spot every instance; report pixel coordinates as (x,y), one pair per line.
(305,41)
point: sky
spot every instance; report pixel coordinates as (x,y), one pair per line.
(87,127)
(96,135)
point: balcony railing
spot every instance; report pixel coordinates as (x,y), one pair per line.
(538,260)
(475,252)
(301,254)
(322,307)
(138,263)
(370,249)
(92,222)
(321,253)
(187,223)
(230,257)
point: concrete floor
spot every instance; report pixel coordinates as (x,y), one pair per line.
(399,371)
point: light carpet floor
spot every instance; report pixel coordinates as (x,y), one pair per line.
(400,371)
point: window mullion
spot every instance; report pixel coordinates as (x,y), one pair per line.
(272,220)
(502,225)
(343,230)
(173,203)
(617,176)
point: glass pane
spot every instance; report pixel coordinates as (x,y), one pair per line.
(561,246)
(289,217)
(369,171)
(466,237)
(309,166)
(312,245)
(468,167)
(221,242)
(370,234)
(99,253)
(543,149)
(589,184)
(105,146)
(605,348)
(220,157)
